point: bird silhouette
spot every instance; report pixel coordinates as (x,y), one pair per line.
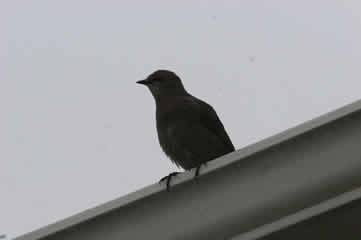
(189,130)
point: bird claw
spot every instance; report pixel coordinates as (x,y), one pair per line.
(168,178)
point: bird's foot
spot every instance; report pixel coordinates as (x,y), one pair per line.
(168,178)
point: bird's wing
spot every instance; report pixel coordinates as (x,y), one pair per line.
(210,119)
(196,142)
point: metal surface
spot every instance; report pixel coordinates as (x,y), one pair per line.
(341,223)
(339,216)
(237,193)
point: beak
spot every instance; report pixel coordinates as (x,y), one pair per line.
(144,82)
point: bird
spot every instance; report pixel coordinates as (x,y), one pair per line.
(189,130)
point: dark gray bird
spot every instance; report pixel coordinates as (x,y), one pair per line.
(189,130)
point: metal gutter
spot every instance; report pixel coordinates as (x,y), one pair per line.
(300,216)
(253,187)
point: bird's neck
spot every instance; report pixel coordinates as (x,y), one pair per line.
(166,98)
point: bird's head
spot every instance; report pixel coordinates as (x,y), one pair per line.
(164,82)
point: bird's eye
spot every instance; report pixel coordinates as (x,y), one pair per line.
(155,80)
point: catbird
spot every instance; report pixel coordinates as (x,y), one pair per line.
(189,130)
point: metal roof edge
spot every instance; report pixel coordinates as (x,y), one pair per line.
(300,216)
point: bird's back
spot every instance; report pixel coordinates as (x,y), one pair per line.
(190,132)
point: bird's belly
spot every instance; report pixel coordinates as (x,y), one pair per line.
(177,152)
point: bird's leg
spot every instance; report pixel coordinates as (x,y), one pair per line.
(198,169)
(168,178)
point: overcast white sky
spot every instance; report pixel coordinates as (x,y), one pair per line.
(76,131)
